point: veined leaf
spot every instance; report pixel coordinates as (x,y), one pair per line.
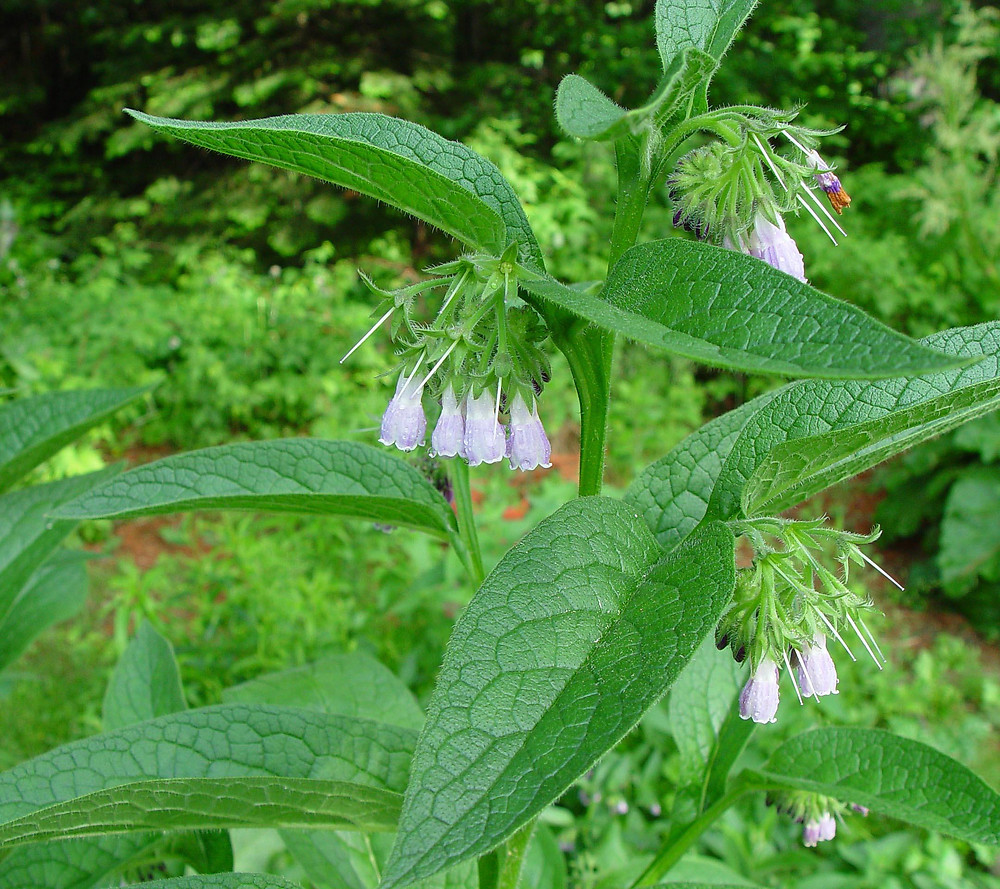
(722,308)
(576,633)
(55,592)
(709,25)
(812,435)
(87,863)
(28,536)
(297,475)
(890,775)
(404,164)
(218,766)
(222,881)
(33,429)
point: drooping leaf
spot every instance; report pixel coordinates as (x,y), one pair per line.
(352,684)
(403,164)
(28,534)
(709,25)
(970,532)
(33,429)
(297,475)
(890,775)
(230,765)
(55,592)
(575,634)
(726,309)
(812,435)
(145,683)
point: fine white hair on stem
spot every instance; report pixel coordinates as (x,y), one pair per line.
(364,339)
(881,571)
(440,361)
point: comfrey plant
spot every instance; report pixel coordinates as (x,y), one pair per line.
(586,623)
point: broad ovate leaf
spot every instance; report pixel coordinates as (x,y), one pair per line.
(709,25)
(576,633)
(145,683)
(296,475)
(403,164)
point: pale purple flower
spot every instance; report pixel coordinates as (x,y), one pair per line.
(816,671)
(810,833)
(529,447)
(759,698)
(403,423)
(814,831)
(448,438)
(861,810)
(485,439)
(827,827)
(775,246)
(829,182)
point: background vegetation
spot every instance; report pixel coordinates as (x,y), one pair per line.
(126,259)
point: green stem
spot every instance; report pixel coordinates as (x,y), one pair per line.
(501,868)
(468,536)
(670,854)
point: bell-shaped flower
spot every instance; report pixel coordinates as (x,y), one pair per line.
(819,830)
(816,672)
(529,447)
(485,439)
(759,698)
(775,246)
(403,423)
(448,438)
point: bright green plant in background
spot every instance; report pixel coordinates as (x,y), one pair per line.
(584,624)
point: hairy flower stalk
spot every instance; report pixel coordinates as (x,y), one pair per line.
(788,606)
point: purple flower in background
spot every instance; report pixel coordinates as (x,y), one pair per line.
(403,423)
(529,447)
(775,246)
(485,439)
(816,671)
(829,182)
(448,438)
(759,698)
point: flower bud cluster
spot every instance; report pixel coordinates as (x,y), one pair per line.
(733,191)
(479,363)
(817,814)
(787,608)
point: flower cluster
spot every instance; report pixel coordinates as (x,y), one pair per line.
(787,607)
(479,359)
(734,191)
(817,814)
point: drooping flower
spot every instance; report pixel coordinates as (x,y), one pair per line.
(816,672)
(485,439)
(403,423)
(829,182)
(818,830)
(776,247)
(759,698)
(529,447)
(448,438)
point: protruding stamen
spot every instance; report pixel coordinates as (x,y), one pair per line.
(770,163)
(440,361)
(864,641)
(364,339)
(836,635)
(791,673)
(819,221)
(881,571)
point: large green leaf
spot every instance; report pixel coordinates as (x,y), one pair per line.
(576,633)
(33,429)
(352,684)
(299,475)
(28,536)
(401,163)
(709,25)
(891,775)
(812,435)
(827,431)
(230,765)
(723,308)
(222,881)
(970,532)
(55,592)
(145,683)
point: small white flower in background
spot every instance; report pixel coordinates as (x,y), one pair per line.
(776,247)
(759,698)
(485,438)
(448,438)
(529,447)
(816,671)
(403,423)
